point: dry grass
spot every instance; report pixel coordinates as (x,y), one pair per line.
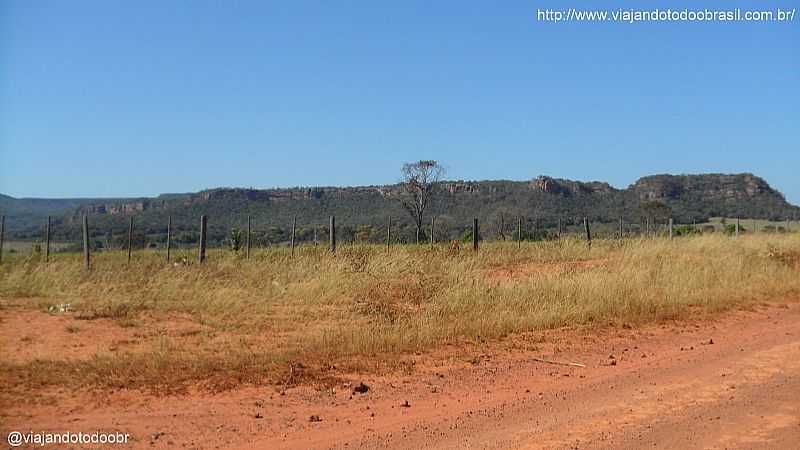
(282,320)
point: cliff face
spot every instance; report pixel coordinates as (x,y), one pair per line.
(119,207)
(568,187)
(547,200)
(685,192)
(711,187)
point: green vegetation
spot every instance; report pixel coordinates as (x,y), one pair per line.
(362,212)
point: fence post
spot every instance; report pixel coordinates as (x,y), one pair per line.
(247,248)
(519,233)
(559,228)
(332,237)
(388,234)
(169,236)
(433,228)
(47,240)
(2,235)
(787,226)
(203,232)
(755,226)
(737,227)
(621,228)
(294,228)
(86,256)
(130,238)
(670,227)
(588,232)
(475,234)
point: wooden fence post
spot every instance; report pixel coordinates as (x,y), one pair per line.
(519,233)
(169,236)
(388,234)
(588,232)
(294,230)
(433,228)
(203,233)
(670,227)
(332,237)
(621,228)
(475,234)
(2,235)
(737,227)
(86,256)
(47,240)
(130,238)
(247,248)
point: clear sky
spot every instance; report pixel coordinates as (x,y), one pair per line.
(135,98)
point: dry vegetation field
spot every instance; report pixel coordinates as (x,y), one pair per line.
(277,320)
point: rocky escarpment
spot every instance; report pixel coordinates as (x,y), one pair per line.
(685,198)
(569,187)
(709,187)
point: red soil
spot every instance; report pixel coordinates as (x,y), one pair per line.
(732,382)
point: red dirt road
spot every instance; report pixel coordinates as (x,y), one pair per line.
(733,382)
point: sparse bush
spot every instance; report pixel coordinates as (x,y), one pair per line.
(730,229)
(235,240)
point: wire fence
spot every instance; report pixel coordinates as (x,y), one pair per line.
(74,236)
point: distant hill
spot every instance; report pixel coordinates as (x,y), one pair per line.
(363,211)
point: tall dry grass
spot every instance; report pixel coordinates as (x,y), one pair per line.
(317,309)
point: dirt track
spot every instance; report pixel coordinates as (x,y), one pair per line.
(729,383)
(742,391)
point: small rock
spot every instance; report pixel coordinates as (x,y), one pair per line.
(259,416)
(406,404)
(361,388)
(711,342)
(314,418)
(156,435)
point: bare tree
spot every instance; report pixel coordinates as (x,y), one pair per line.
(419,181)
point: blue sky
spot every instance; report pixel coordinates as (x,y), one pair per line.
(140,98)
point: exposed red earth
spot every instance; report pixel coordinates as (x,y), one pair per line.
(727,382)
